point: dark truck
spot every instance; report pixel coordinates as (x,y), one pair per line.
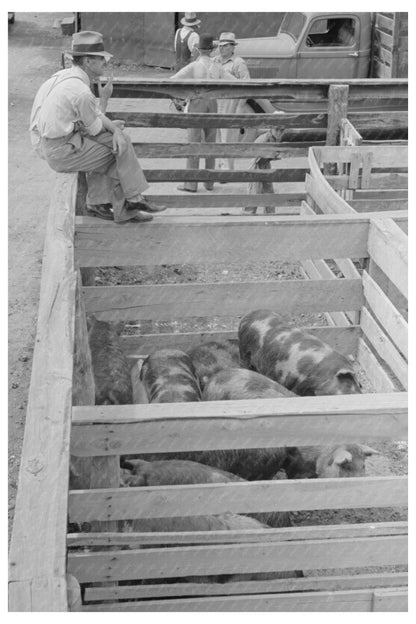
(330,45)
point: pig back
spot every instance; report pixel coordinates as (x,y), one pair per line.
(168,376)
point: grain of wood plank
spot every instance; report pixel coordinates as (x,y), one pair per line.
(387,245)
(278,175)
(234,150)
(378,205)
(230,559)
(377,376)
(375,181)
(178,301)
(326,583)
(267,237)
(384,347)
(38,548)
(248,497)
(135,539)
(387,314)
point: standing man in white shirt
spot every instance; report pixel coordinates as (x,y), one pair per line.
(204,68)
(71,132)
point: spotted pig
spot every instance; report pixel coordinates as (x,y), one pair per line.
(240,383)
(294,358)
(168,376)
(211,357)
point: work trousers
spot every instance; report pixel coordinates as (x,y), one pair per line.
(199,135)
(111,178)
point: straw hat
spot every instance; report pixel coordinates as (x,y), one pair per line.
(190,19)
(88,43)
(226,38)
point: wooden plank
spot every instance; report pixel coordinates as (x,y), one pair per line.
(129,112)
(387,245)
(41,503)
(375,181)
(135,539)
(241,558)
(337,110)
(385,39)
(384,347)
(378,205)
(266,237)
(353,601)
(391,599)
(399,301)
(178,301)
(326,583)
(383,156)
(383,22)
(239,175)
(245,497)
(349,134)
(229,200)
(343,340)
(39,594)
(257,423)
(378,377)
(228,150)
(389,317)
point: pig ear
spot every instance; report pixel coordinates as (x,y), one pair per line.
(342,456)
(344,373)
(132,463)
(367,450)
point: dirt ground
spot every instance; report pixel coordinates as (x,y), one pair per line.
(35,45)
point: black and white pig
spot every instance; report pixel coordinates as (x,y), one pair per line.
(168,376)
(110,365)
(240,383)
(210,357)
(291,356)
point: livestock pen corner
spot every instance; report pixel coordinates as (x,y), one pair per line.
(354,258)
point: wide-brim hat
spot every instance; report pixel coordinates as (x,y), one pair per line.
(226,38)
(88,43)
(206,42)
(190,19)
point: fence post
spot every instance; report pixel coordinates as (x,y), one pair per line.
(337,111)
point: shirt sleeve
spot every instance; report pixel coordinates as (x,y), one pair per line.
(241,68)
(89,114)
(193,40)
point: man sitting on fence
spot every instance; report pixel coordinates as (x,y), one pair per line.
(72,134)
(203,68)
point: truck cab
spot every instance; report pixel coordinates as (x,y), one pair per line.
(312,45)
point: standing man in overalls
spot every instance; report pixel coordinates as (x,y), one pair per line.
(186,48)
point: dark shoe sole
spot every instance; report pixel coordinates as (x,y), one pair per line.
(140,217)
(100,214)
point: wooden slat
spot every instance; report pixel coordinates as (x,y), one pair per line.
(257,423)
(265,238)
(384,22)
(129,112)
(229,200)
(384,347)
(41,503)
(326,583)
(387,246)
(390,319)
(376,375)
(383,156)
(390,600)
(343,601)
(390,290)
(343,340)
(349,134)
(278,175)
(178,301)
(326,197)
(229,150)
(378,205)
(249,497)
(316,270)
(229,559)
(337,531)
(375,181)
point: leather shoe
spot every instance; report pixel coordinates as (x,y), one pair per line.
(103,211)
(140,217)
(143,204)
(183,188)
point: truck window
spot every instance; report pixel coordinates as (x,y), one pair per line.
(332,32)
(292,25)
